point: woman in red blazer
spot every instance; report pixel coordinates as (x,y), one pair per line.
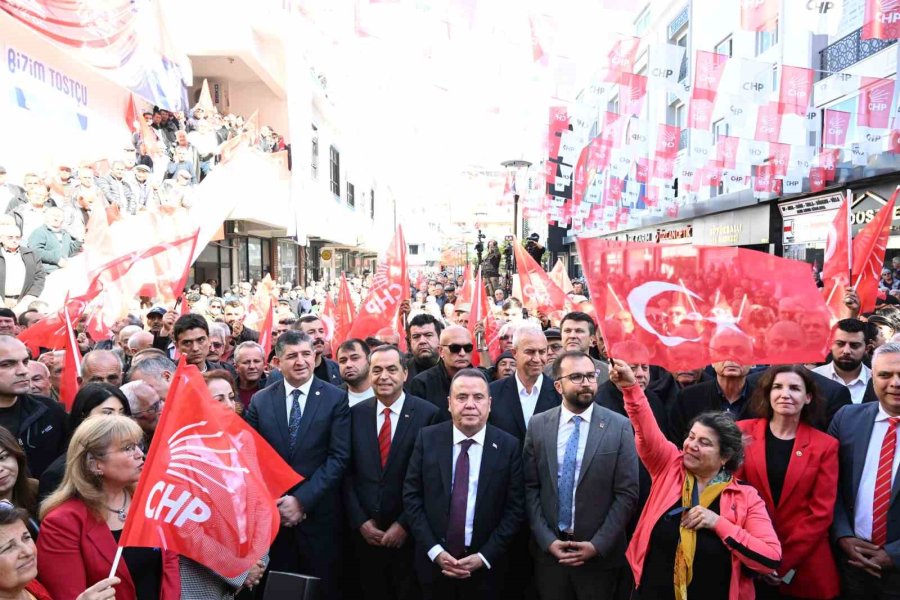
(83,519)
(795,468)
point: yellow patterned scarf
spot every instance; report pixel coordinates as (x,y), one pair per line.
(684,554)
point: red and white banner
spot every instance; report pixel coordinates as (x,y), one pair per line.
(758,15)
(708,74)
(873,108)
(702,304)
(795,92)
(559,276)
(266,331)
(539,293)
(667,137)
(482,314)
(837,122)
(209,484)
(343,316)
(836,267)
(388,291)
(881,20)
(869,247)
(768,123)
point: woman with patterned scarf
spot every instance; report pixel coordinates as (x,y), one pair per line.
(702,531)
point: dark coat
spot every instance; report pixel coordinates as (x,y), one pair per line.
(42,431)
(506,408)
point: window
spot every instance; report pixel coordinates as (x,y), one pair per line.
(613,105)
(721,128)
(642,22)
(335,171)
(372,204)
(315,152)
(682,40)
(725,47)
(767,38)
(351,195)
(413,248)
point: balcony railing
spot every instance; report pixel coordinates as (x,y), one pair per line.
(848,51)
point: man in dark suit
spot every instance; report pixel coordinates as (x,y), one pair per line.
(464,497)
(515,399)
(866,523)
(434,384)
(325,369)
(383,431)
(732,354)
(579,500)
(307,421)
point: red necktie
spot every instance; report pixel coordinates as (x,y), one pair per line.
(882,498)
(384,437)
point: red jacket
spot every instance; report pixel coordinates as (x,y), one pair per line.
(76,550)
(805,508)
(743,526)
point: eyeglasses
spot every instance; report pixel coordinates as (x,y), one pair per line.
(153,409)
(217,344)
(579,378)
(457,348)
(127,449)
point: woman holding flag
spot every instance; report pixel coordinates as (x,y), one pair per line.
(83,519)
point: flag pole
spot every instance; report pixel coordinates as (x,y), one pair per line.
(849,238)
(688,296)
(115,564)
(613,292)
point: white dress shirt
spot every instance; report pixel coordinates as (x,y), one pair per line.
(857,387)
(289,401)
(353,398)
(529,399)
(396,409)
(15,273)
(566,427)
(865,495)
(475,452)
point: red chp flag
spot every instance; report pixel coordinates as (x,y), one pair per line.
(388,290)
(795,91)
(68,385)
(481,313)
(837,122)
(881,20)
(722,298)
(131,115)
(836,267)
(539,293)
(209,484)
(344,314)
(265,332)
(559,276)
(873,106)
(869,247)
(464,295)
(758,15)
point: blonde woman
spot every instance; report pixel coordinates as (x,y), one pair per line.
(83,520)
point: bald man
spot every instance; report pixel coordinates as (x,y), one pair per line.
(434,384)
(37,419)
(146,406)
(39,378)
(101,366)
(139,341)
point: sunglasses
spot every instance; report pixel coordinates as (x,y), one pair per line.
(457,348)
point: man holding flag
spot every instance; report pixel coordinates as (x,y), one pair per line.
(307,421)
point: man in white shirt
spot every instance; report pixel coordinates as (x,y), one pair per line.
(475,470)
(353,362)
(848,348)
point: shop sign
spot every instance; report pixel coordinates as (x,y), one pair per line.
(736,228)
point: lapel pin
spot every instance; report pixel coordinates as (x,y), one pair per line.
(799,453)
(494,445)
(600,425)
(406,416)
(317,392)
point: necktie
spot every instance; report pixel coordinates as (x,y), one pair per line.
(294,423)
(384,437)
(566,485)
(459,497)
(882,497)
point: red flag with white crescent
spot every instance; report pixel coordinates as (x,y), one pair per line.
(869,248)
(388,291)
(836,267)
(209,484)
(746,307)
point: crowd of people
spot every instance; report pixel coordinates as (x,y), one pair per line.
(550,472)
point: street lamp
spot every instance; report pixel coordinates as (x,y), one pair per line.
(515,164)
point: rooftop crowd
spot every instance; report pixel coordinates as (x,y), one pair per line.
(552,472)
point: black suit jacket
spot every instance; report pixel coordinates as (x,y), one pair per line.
(663,384)
(692,401)
(834,394)
(609,396)
(499,504)
(506,408)
(434,385)
(321,454)
(373,492)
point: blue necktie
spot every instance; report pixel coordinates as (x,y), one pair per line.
(294,423)
(566,489)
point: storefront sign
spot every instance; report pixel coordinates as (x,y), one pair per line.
(681,233)
(745,227)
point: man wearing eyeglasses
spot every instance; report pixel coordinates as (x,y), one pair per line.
(455,355)
(145,405)
(581,487)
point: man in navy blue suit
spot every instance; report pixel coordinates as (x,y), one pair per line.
(464,497)
(307,421)
(383,432)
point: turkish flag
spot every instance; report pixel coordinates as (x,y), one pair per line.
(758,15)
(837,122)
(795,92)
(732,304)
(559,276)
(265,332)
(481,313)
(836,268)
(869,247)
(344,314)
(881,20)
(209,484)
(388,290)
(539,293)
